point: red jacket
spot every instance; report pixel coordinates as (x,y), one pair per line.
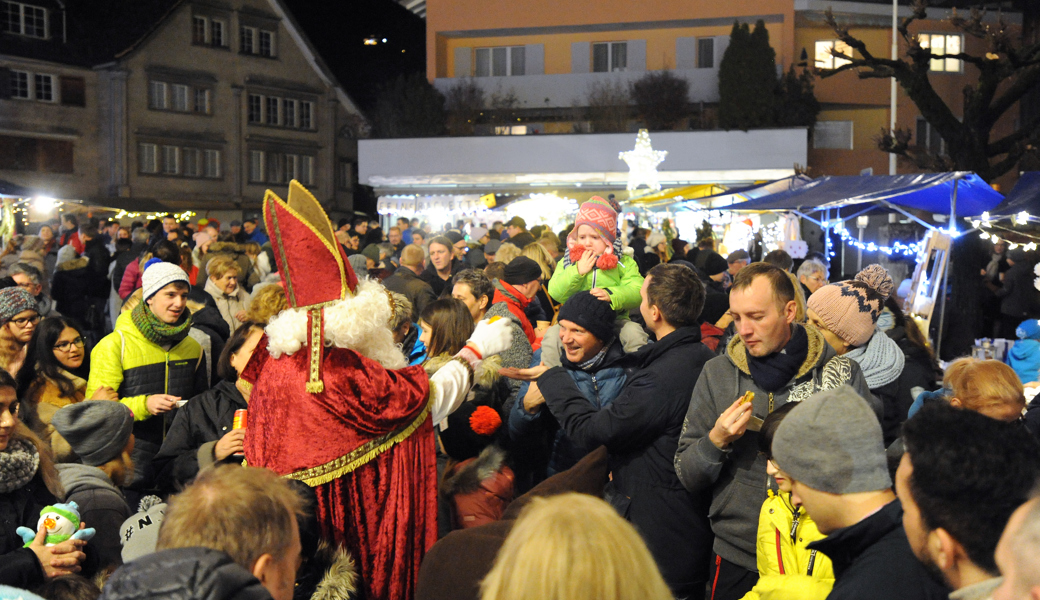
(516,302)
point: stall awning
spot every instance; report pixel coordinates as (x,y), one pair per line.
(13,190)
(928,192)
(669,196)
(1025,196)
(743,194)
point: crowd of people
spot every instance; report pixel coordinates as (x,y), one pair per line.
(494,412)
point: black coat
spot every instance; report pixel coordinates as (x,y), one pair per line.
(99,257)
(641,430)
(872,559)
(123,260)
(197,573)
(404,281)
(918,372)
(205,418)
(440,286)
(1018,295)
(21,508)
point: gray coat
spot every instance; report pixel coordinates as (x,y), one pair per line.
(737,476)
(519,353)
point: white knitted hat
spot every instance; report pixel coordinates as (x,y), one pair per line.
(158,275)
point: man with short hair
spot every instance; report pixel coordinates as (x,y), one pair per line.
(779,258)
(812,275)
(396,240)
(641,427)
(518,234)
(30,279)
(232,533)
(832,450)
(475,290)
(70,232)
(780,361)
(361,228)
(1018,554)
(406,281)
(253,232)
(238,235)
(957,462)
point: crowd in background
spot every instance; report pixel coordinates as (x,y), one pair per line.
(667,422)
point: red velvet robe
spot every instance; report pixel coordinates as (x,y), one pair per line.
(384,511)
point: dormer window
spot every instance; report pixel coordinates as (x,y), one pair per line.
(23,19)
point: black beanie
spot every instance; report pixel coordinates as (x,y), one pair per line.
(471,428)
(521,270)
(715,264)
(591,314)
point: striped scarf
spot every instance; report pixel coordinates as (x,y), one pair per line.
(156,330)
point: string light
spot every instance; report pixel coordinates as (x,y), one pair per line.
(897,248)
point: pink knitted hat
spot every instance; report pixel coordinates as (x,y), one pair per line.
(851,308)
(600,215)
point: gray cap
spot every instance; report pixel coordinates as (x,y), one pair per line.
(492,246)
(738,255)
(833,443)
(97,430)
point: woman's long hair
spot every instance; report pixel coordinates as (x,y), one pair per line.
(23,432)
(450,324)
(41,363)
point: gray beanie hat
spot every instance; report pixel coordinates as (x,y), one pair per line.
(832,442)
(97,430)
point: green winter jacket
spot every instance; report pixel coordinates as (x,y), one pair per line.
(136,368)
(622,282)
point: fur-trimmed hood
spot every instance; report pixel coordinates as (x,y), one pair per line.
(486,376)
(471,475)
(75,263)
(226,247)
(340,578)
(737,353)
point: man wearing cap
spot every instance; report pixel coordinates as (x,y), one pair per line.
(737,260)
(18,319)
(458,245)
(831,449)
(478,238)
(516,228)
(490,249)
(151,361)
(100,432)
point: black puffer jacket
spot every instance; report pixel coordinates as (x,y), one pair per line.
(21,508)
(178,573)
(189,443)
(440,286)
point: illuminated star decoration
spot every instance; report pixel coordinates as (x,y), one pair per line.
(642,163)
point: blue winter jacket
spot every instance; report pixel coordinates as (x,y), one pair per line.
(1024,358)
(600,388)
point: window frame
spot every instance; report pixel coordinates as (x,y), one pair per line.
(169,150)
(253,32)
(38,81)
(213,27)
(180,92)
(700,52)
(29,91)
(154,148)
(22,10)
(611,56)
(508,65)
(200,24)
(271,51)
(257,159)
(830,58)
(216,162)
(153,87)
(931,35)
(306,170)
(306,117)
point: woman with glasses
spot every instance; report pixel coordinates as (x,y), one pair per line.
(19,316)
(53,377)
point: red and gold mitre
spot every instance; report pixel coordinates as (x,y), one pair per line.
(310,259)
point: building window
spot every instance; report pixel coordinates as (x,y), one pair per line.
(147,158)
(500,62)
(929,138)
(826,60)
(306,174)
(256,166)
(256,108)
(289,113)
(943,44)
(199,29)
(345,175)
(23,19)
(179,97)
(212,166)
(217,33)
(20,85)
(609,56)
(247,38)
(31,154)
(706,53)
(157,95)
(171,160)
(208,32)
(44,85)
(834,135)
(73,91)
(202,101)
(275,168)
(306,110)
(192,162)
(272,111)
(266,43)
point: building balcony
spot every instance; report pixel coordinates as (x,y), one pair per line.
(571,89)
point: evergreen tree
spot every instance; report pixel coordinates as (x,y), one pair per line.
(408,106)
(747,79)
(796,105)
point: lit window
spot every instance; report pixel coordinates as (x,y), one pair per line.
(266,43)
(147,158)
(256,103)
(500,62)
(192,165)
(256,166)
(272,111)
(826,60)
(23,19)
(306,109)
(179,97)
(212,163)
(289,114)
(202,100)
(247,39)
(20,85)
(943,45)
(171,160)
(157,95)
(609,56)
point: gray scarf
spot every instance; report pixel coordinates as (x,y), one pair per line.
(18,465)
(881,360)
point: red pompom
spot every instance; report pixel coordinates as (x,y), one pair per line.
(607,262)
(576,251)
(485,420)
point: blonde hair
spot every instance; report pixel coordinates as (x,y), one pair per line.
(245,512)
(221,265)
(506,253)
(983,383)
(252,248)
(799,298)
(540,255)
(573,547)
(47,470)
(267,302)
(132,300)
(412,256)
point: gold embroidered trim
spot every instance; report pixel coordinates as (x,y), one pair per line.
(364,454)
(315,385)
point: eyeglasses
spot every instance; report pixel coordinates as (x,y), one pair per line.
(66,346)
(25,321)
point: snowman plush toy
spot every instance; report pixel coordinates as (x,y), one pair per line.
(62,523)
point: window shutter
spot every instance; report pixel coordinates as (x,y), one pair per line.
(685,53)
(73,91)
(535,59)
(5,83)
(580,53)
(463,62)
(636,55)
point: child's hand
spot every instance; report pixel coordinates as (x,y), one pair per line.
(586,262)
(600,294)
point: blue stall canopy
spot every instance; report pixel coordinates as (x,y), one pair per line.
(13,190)
(931,192)
(1025,196)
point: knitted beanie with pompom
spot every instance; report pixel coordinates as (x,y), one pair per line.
(850,309)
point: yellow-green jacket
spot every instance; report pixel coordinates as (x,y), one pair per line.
(787,570)
(623,283)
